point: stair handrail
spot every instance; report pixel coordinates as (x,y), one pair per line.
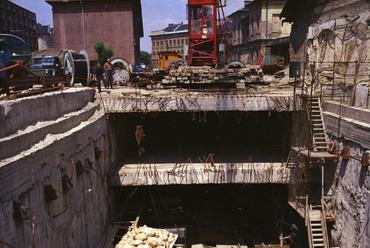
(323,123)
(308,224)
(324,229)
(309,118)
(327,207)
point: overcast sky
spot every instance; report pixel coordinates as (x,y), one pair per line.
(157,14)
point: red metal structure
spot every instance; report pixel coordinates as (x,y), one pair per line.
(207,32)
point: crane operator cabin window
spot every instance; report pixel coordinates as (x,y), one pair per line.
(201,19)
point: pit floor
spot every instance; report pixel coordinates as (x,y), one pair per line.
(213,214)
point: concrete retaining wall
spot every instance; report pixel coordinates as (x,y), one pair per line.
(18,114)
(350,126)
(80,215)
(352,205)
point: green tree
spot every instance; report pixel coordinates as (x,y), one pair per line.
(145,58)
(103,52)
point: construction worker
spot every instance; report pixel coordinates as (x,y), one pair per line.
(99,76)
(108,74)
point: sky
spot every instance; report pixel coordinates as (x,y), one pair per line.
(157,14)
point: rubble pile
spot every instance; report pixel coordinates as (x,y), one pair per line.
(147,237)
(207,74)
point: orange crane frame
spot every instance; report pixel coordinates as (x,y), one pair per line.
(206,31)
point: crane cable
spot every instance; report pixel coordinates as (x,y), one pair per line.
(155,209)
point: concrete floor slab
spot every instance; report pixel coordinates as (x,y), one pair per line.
(201,173)
(124,100)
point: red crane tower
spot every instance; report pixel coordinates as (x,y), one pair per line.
(207,32)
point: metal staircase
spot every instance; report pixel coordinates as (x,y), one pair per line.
(307,160)
(316,227)
(319,138)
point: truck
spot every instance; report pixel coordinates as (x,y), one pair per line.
(46,65)
(57,62)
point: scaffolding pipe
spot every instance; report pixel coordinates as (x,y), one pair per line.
(322,181)
(33,225)
(267,18)
(83,24)
(3,242)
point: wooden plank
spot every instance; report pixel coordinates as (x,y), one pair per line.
(107,242)
(316,155)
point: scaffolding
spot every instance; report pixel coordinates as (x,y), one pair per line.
(311,149)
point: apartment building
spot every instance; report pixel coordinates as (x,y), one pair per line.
(18,21)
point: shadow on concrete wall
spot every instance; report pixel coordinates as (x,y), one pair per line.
(343,167)
(363,174)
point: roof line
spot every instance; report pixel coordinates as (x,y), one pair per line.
(176,32)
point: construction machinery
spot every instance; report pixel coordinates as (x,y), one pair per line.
(207,54)
(207,32)
(121,71)
(50,69)
(169,59)
(56,62)
(19,51)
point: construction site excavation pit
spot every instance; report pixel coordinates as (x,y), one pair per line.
(218,178)
(200,137)
(228,215)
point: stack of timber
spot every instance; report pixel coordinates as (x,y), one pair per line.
(209,75)
(142,79)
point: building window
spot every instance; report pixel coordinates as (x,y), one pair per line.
(275,23)
(251,27)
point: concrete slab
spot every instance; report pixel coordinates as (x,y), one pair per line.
(201,173)
(181,100)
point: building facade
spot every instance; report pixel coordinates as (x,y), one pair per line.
(240,35)
(45,36)
(18,21)
(78,25)
(330,42)
(258,31)
(171,39)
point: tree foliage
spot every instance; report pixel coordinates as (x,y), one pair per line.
(145,58)
(103,52)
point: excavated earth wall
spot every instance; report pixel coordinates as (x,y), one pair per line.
(350,126)
(54,153)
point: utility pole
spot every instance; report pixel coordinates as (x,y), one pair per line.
(83,25)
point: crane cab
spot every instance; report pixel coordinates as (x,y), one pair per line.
(207,32)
